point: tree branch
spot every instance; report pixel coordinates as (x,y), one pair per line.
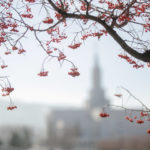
(145,57)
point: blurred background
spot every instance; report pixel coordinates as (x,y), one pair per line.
(62,113)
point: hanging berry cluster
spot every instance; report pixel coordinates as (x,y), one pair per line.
(137,116)
(6,90)
(131,61)
(139,119)
(74,72)
(104,115)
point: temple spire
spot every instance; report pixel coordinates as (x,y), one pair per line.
(97,98)
(96,74)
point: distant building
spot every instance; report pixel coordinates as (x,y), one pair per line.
(83,128)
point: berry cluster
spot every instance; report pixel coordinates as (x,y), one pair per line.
(140,120)
(96,34)
(30,16)
(52,30)
(43,74)
(7,52)
(131,61)
(148,131)
(20,51)
(58,16)
(11,107)
(61,56)
(128,118)
(75,45)
(59,39)
(6,91)
(48,20)
(49,51)
(4,66)
(104,115)
(30,1)
(2,39)
(14,48)
(74,72)
(114,6)
(84,7)
(118,95)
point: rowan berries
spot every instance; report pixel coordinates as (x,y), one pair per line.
(75,46)
(48,20)
(74,72)
(43,74)
(30,1)
(4,66)
(7,53)
(148,131)
(104,115)
(143,114)
(20,51)
(140,121)
(14,48)
(118,95)
(61,56)
(11,107)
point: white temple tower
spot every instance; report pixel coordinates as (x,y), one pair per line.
(96,97)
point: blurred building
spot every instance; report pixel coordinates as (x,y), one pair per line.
(22,128)
(72,128)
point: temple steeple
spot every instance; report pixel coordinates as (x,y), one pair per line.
(96,74)
(97,98)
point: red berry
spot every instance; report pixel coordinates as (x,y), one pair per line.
(118,95)
(104,115)
(140,121)
(127,118)
(148,131)
(48,20)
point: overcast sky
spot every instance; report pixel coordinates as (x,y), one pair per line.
(59,89)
